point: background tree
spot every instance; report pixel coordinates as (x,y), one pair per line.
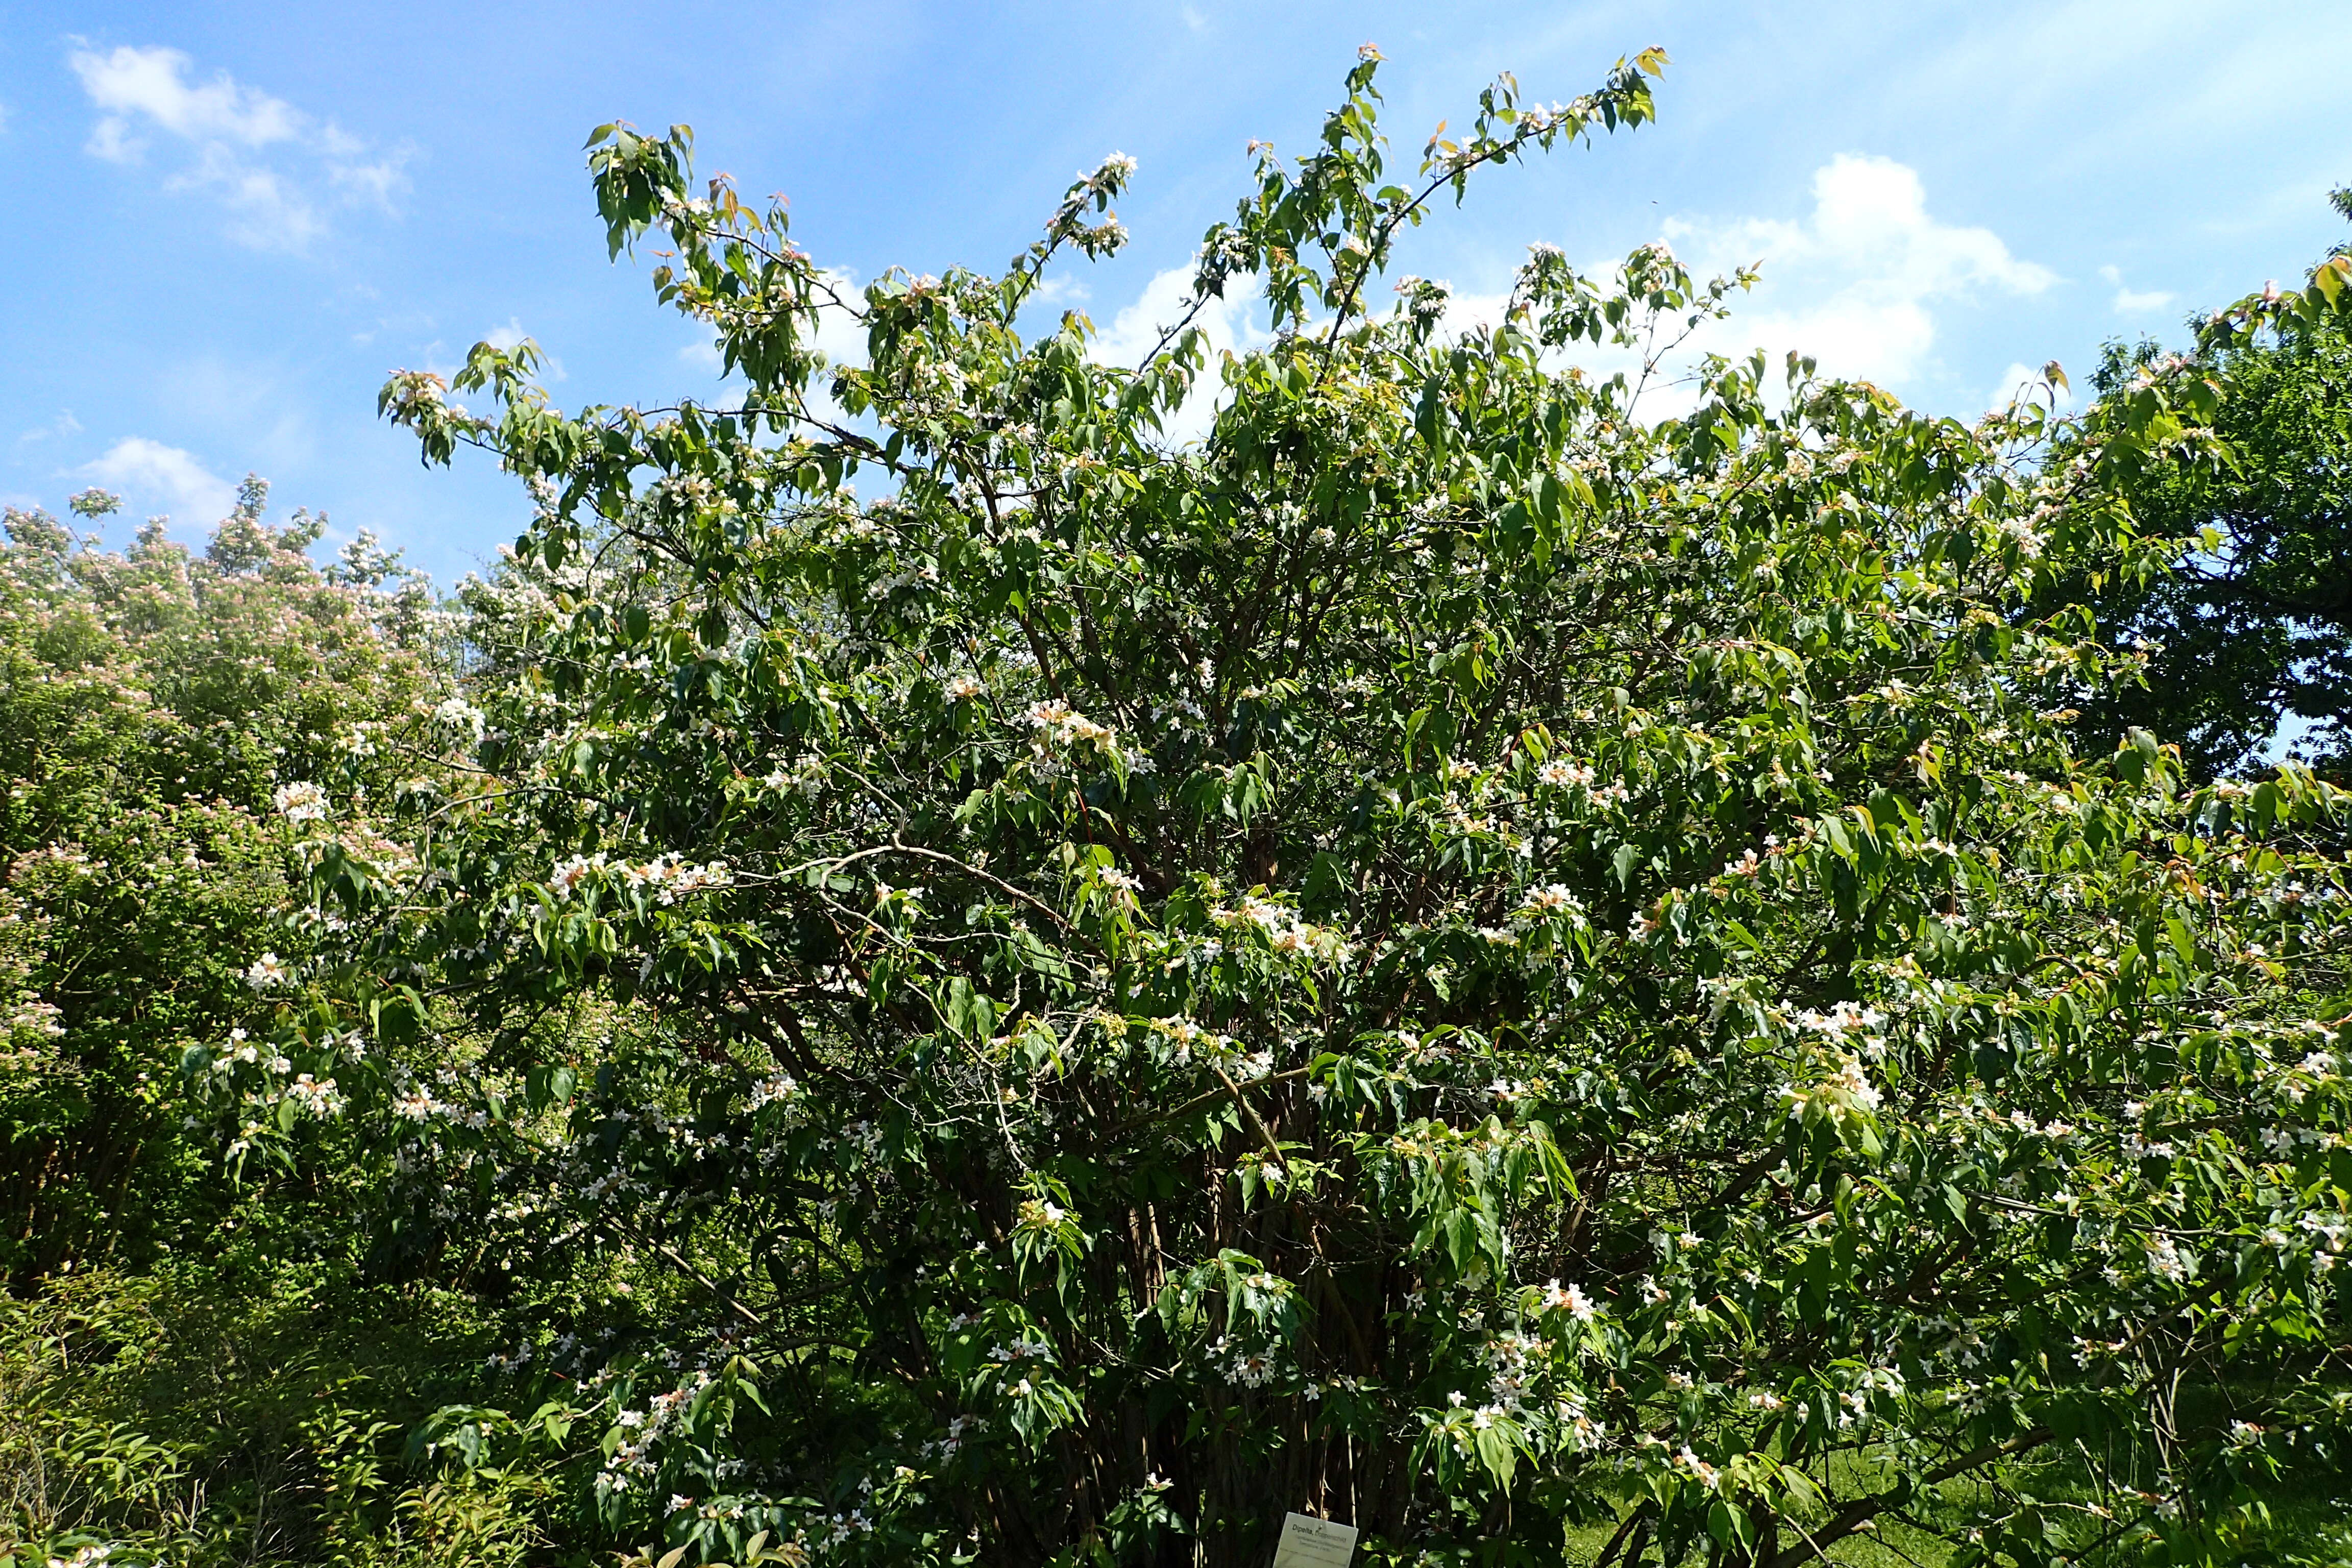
(2252,626)
(194,1368)
(151,702)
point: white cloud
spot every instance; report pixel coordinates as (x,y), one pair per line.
(258,156)
(2019,381)
(1230,323)
(153,471)
(267,210)
(2135,302)
(374,184)
(1059,289)
(131,82)
(840,336)
(1855,284)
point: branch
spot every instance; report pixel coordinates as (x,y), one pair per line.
(1855,1515)
(1197,1102)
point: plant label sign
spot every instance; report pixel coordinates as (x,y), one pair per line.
(1311,1542)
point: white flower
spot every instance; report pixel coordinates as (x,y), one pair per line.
(460,714)
(1857,1085)
(301,801)
(1554,773)
(1553,898)
(1041,1213)
(1568,1299)
(964,689)
(267,973)
(1699,1469)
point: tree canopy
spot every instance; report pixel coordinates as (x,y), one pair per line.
(2253,626)
(968,981)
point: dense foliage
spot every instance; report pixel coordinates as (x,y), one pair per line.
(1449,955)
(2252,628)
(186,1363)
(151,701)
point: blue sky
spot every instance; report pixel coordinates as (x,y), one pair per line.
(231,220)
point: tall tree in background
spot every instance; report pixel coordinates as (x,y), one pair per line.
(150,700)
(2252,628)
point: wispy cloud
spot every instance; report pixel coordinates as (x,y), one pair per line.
(2135,302)
(508,337)
(64,424)
(270,166)
(153,472)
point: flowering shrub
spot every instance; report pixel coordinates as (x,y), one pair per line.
(1453,954)
(165,718)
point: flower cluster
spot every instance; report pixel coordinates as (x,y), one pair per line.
(1283,931)
(632,1464)
(301,801)
(667,878)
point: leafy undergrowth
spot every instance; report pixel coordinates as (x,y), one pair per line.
(192,1418)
